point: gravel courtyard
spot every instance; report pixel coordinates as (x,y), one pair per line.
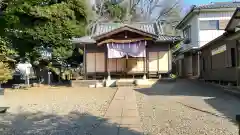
(54,111)
(187,108)
(182,107)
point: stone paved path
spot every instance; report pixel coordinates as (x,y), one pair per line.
(123,114)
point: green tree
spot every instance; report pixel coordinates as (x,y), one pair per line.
(6,48)
(29,24)
(5,73)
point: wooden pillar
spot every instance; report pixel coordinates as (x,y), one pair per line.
(145,61)
(106,64)
(238,64)
(199,65)
(84,62)
(169,60)
(157,62)
(108,69)
(145,65)
(126,66)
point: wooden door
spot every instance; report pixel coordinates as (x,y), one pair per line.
(121,65)
(140,65)
(91,62)
(153,61)
(131,65)
(112,65)
(100,62)
(163,61)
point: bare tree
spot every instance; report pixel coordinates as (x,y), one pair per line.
(166,11)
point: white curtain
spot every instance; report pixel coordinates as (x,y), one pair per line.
(119,50)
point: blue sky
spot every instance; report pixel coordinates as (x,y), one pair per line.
(197,2)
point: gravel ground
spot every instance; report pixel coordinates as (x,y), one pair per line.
(187,108)
(45,111)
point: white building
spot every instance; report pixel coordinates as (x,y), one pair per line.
(199,26)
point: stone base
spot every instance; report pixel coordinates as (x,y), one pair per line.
(99,85)
(159,76)
(91,86)
(110,83)
(144,77)
(144,82)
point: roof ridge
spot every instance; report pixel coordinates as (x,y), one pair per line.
(168,35)
(107,23)
(223,3)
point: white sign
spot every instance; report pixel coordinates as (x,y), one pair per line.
(218,50)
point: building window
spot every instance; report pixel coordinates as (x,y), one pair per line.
(219,50)
(187,32)
(213,24)
(209,25)
(233,57)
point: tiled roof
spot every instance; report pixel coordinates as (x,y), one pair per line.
(168,38)
(85,39)
(219,5)
(103,28)
(88,39)
(215,5)
(107,27)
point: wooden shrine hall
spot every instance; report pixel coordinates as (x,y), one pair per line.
(119,50)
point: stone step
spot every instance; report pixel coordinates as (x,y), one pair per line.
(84,83)
(123,82)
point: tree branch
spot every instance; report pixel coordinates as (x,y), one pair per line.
(165,13)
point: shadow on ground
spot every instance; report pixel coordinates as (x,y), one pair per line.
(73,123)
(216,97)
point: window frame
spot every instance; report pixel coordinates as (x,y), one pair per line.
(187,32)
(209,22)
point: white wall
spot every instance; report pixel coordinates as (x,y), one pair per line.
(194,33)
(207,35)
(201,37)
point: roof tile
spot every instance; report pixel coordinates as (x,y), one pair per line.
(219,5)
(107,27)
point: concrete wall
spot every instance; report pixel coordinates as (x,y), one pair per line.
(193,22)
